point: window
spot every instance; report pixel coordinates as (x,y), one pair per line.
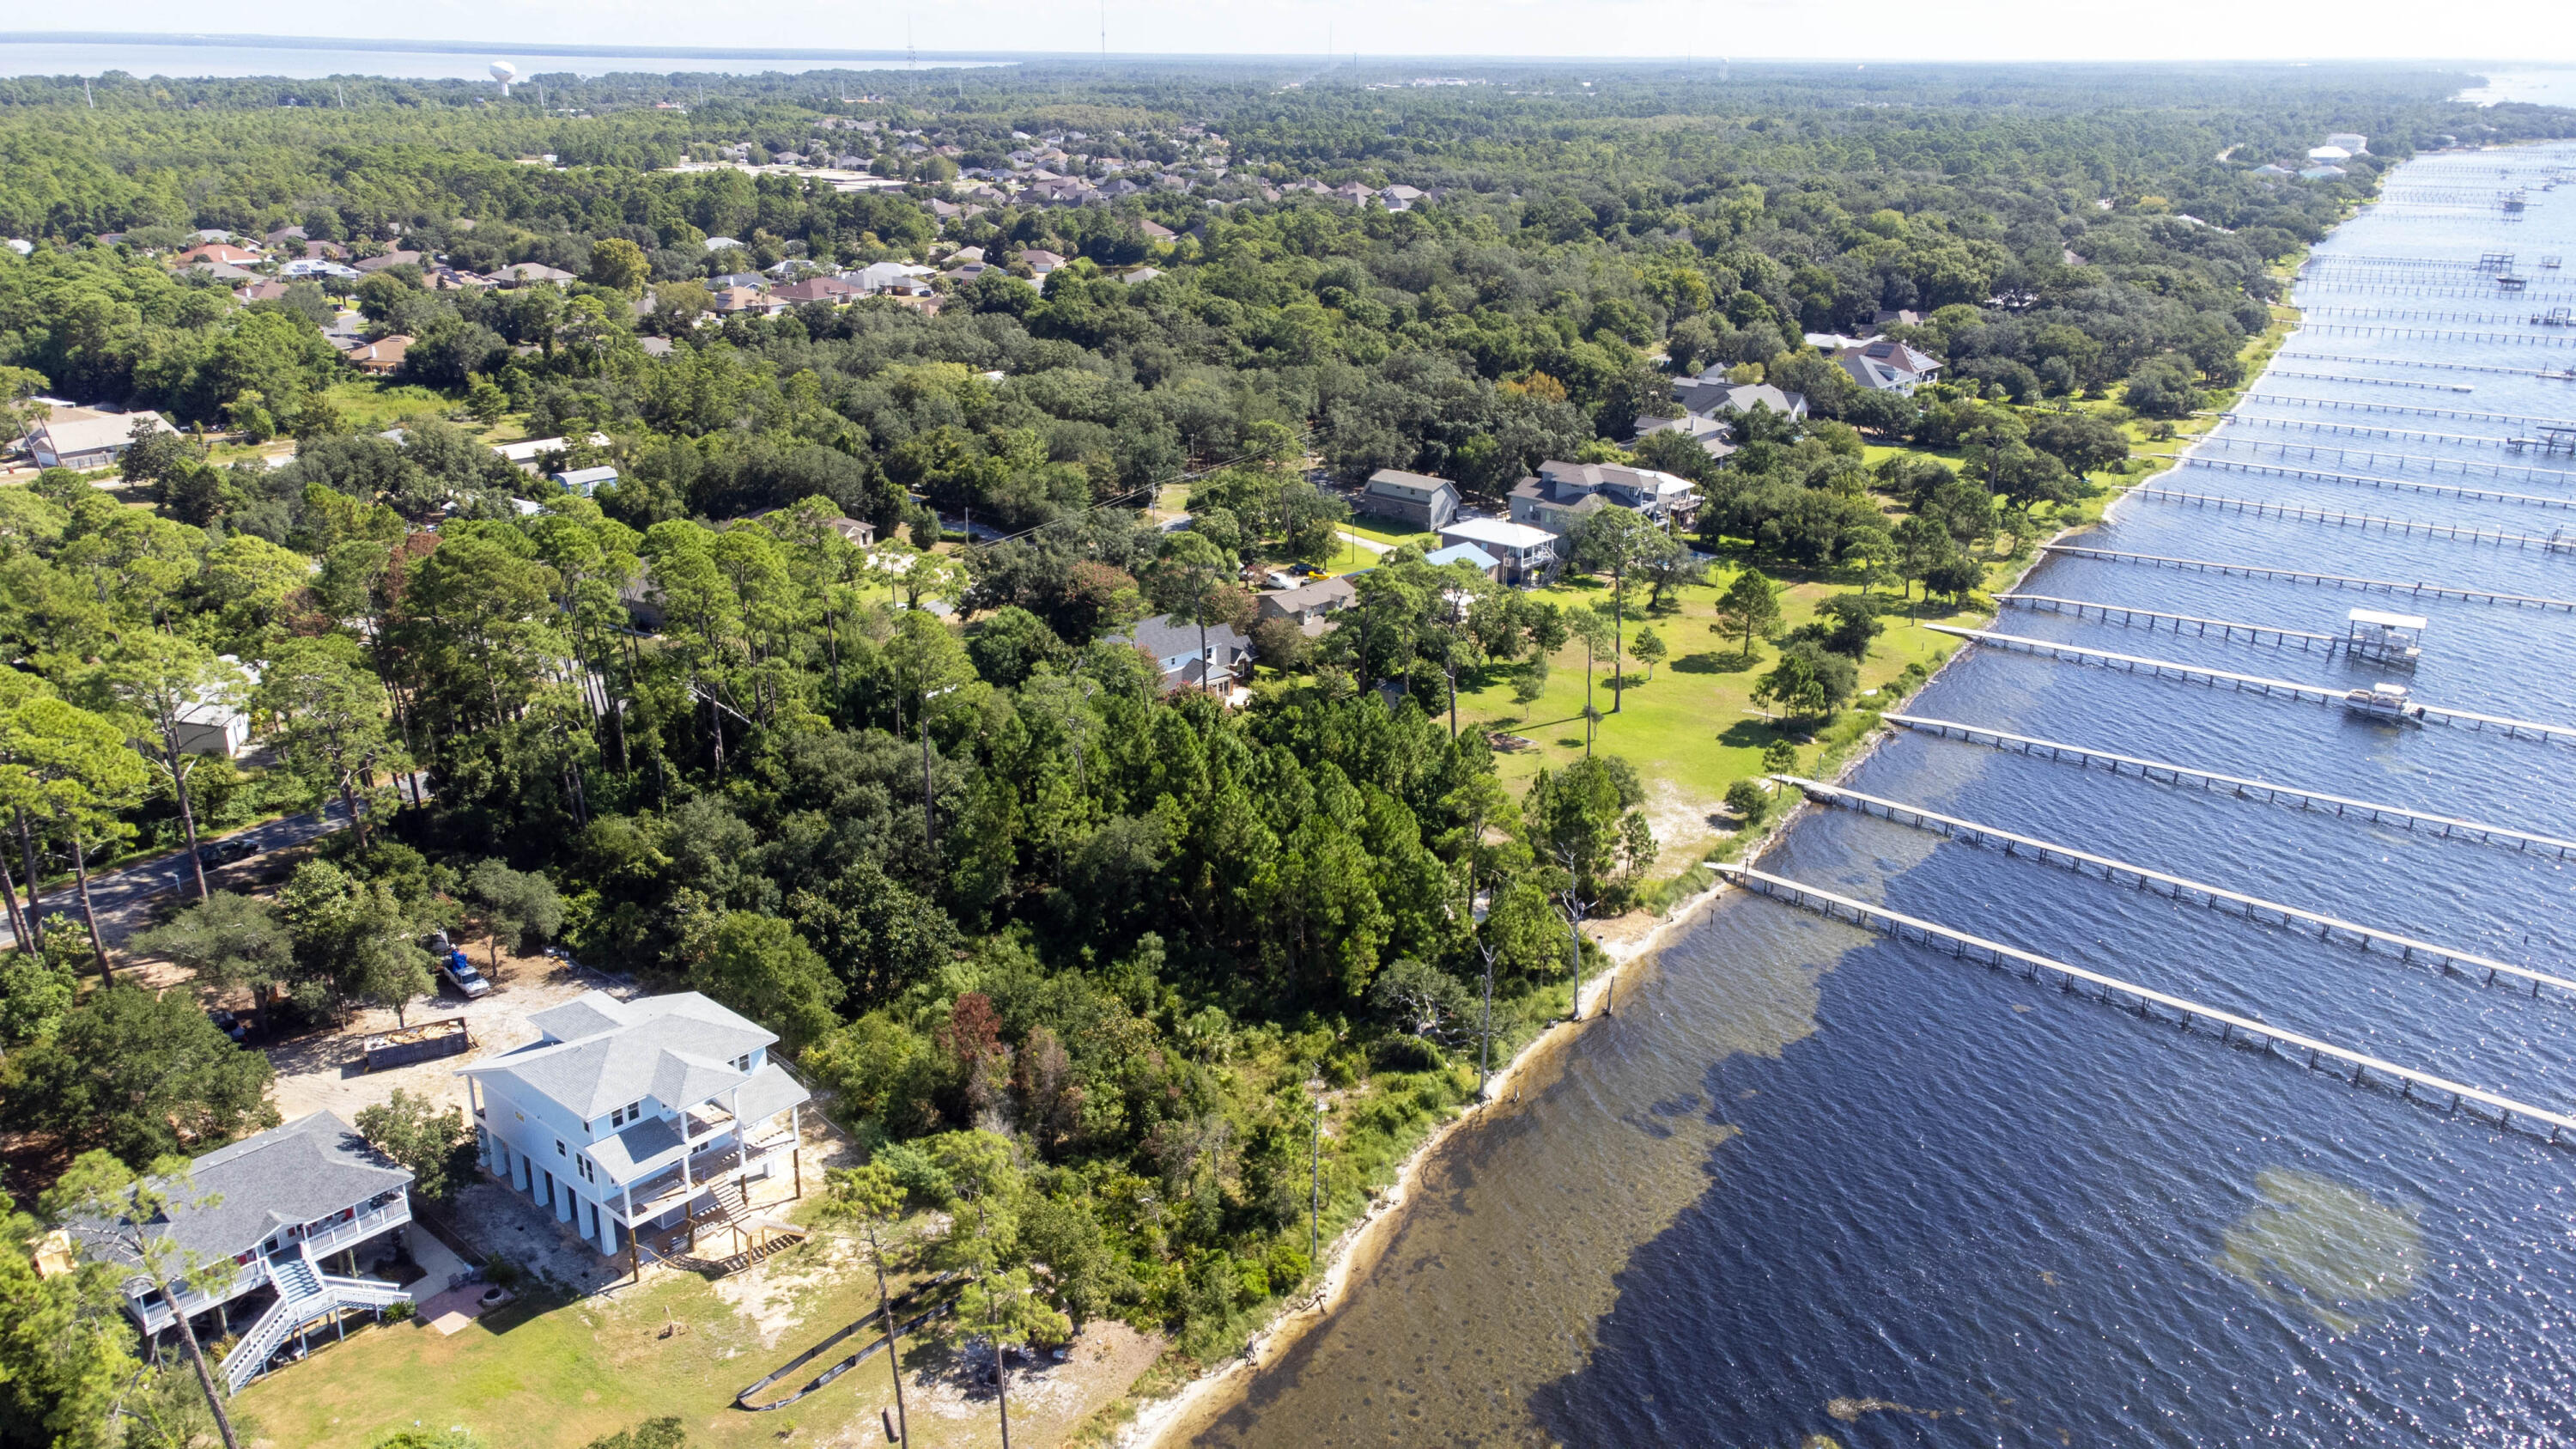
(742,1063)
(559,1147)
(631,1112)
(587,1173)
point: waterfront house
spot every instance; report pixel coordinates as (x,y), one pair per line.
(1416,498)
(295,1210)
(629,1118)
(1521,552)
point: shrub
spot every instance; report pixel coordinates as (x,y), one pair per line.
(1747,800)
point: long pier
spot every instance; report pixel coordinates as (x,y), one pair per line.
(2301,576)
(2258,1034)
(2555,543)
(2396,485)
(2567,375)
(2435,334)
(2245,787)
(2355,430)
(2489,319)
(2455,414)
(2182,888)
(2179,623)
(2416,710)
(2407,382)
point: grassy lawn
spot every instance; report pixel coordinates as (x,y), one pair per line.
(1692,728)
(544,1373)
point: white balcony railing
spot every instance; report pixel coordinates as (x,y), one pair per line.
(155,1314)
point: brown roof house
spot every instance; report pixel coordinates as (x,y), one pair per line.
(380,356)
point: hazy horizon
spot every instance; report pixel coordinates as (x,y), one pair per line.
(1523,31)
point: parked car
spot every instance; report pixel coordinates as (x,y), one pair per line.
(226,850)
(460,973)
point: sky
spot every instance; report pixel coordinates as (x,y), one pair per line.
(2528,32)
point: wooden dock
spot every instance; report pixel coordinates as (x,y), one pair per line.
(2414,362)
(2255,507)
(2453,414)
(2257,1034)
(2179,623)
(2365,480)
(2245,787)
(2404,382)
(2334,929)
(2301,576)
(2359,430)
(2255,683)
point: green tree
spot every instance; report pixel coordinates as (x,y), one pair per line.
(1750,606)
(523,906)
(132,1210)
(869,1196)
(1618,542)
(71,769)
(227,941)
(1599,631)
(1808,682)
(1650,649)
(666,1432)
(430,1139)
(1005,1311)
(159,682)
(338,732)
(36,993)
(68,1370)
(1188,580)
(761,967)
(619,264)
(129,1071)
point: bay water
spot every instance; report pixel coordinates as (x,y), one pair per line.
(1812,1185)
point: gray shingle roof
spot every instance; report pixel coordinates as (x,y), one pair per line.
(600,1053)
(305,1170)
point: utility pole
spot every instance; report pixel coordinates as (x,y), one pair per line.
(1485,1048)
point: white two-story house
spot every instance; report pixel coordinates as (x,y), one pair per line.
(288,1207)
(629,1118)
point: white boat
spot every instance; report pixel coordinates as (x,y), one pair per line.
(2383,701)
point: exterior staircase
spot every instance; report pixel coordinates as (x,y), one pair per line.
(304,1293)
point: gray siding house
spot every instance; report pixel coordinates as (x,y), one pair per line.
(1173,644)
(1426,502)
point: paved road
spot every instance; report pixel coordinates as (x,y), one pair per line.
(124,898)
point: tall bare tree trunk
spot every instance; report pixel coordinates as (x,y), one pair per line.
(89,912)
(35,904)
(205,1375)
(894,1345)
(187,814)
(17,921)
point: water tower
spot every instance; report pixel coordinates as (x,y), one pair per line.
(504,72)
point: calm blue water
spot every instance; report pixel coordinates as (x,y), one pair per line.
(1813,1182)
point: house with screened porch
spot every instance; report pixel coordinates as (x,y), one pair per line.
(637,1119)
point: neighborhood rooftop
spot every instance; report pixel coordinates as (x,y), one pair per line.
(599,1053)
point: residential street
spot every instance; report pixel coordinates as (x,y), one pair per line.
(124,897)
